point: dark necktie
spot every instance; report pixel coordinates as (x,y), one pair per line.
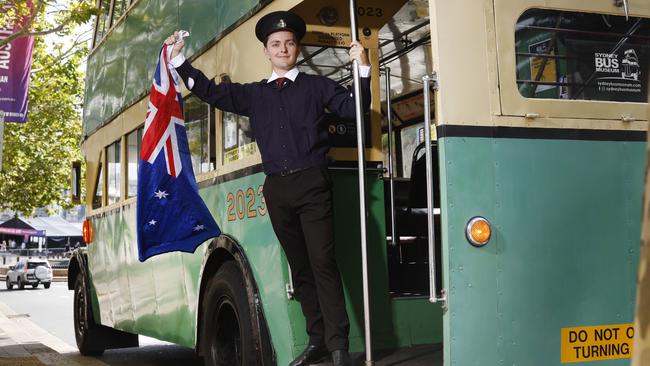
(279,82)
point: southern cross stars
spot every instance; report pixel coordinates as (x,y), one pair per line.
(199,228)
(161,194)
(152,222)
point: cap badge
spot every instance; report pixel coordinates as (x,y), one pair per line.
(282,24)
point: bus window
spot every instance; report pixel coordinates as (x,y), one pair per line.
(582,56)
(114,167)
(199,134)
(98,197)
(133,161)
(238,141)
(410,138)
(102,21)
(118,9)
(384,149)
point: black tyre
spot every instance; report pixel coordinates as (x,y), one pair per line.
(85,330)
(46,285)
(10,285)
(21,284)
(228,331)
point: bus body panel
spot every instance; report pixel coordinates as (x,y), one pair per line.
(159,297)
(545,267)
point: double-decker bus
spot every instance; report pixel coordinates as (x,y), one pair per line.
(505,149)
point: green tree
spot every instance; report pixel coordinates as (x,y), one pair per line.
(38,154)
(66,14)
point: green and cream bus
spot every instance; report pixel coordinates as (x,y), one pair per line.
(504,159)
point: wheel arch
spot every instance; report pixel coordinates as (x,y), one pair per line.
(78,265)
(221,250)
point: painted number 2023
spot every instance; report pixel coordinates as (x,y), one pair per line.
(244,203)
(368,11)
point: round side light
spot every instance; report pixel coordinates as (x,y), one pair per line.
(87,231)
(478,231)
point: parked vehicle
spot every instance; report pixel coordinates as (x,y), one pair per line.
(29,272)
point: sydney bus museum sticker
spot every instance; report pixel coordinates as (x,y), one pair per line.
(604,342)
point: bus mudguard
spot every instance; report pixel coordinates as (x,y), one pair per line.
(221,250)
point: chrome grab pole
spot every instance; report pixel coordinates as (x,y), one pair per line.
(391,180)
(428,81)
(362,185)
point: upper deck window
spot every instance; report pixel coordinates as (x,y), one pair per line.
(98,197)
(102,21)
(582,56)
(119,7)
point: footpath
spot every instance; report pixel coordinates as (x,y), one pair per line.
(23,343)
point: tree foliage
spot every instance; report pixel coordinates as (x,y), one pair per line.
(66,14)
(38,153)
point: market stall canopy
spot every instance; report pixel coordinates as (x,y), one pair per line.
(52,226)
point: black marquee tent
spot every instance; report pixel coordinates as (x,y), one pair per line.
(40,232)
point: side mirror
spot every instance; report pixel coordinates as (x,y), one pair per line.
(76,182)
(11,268)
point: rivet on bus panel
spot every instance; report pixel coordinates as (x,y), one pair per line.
(478,231)
(87,231)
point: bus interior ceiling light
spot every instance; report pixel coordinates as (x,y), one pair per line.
(87,231)
(478,231)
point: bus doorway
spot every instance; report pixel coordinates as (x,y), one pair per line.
(401,313)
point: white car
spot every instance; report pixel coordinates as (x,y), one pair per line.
(30,272)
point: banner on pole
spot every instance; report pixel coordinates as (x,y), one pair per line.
(15,68)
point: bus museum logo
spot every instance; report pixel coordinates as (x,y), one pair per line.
(618,72)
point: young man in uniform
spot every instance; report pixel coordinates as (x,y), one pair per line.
(286,112)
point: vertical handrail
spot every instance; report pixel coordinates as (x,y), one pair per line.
(391,180)
(362,185)
(427,80)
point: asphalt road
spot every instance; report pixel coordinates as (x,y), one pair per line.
(51,310)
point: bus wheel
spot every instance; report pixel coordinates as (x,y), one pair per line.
(228,331)
(88,341)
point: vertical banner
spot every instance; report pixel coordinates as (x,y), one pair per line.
(15,67)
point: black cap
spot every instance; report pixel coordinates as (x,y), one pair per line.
(280,21)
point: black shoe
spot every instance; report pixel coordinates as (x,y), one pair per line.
(311,354)
(341,357)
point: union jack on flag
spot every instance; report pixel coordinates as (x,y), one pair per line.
(171,216)
(163,114)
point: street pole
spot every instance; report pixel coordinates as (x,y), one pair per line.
(2,135)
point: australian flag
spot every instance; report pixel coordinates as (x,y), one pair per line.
(171,216)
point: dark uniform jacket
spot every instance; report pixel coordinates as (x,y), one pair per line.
(287,123)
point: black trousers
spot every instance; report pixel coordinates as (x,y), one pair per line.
(300,208)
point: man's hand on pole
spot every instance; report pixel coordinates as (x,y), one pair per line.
(357,52)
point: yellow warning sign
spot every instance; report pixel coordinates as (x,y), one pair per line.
(604,342)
